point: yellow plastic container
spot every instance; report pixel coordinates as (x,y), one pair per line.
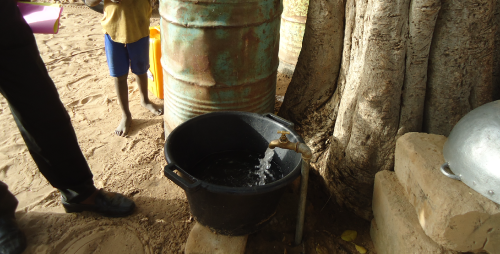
(155,73)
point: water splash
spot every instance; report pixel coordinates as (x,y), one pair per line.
(264,166)
(238,168)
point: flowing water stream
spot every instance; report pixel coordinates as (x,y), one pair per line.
(264,166)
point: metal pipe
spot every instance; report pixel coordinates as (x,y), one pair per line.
(302,201)
(306,153)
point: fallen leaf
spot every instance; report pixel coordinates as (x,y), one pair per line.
(360,249)
(349,235)
(321,250)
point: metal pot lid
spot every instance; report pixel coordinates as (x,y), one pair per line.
(98,8)
(472,151)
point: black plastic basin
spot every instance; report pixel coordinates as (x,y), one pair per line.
(230,210)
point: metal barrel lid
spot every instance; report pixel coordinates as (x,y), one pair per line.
(472,151)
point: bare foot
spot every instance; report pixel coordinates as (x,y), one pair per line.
(123,127)
(153,108)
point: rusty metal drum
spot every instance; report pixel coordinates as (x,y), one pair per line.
(218,55)
(293,24)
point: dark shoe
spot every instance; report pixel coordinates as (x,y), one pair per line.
(12,239)
(109,204)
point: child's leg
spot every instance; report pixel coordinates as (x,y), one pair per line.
(118,63)
(121,88)
(139,63)
(142,82)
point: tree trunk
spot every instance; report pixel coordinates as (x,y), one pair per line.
(496,54)
(396,66)
(460,64)
(422,19)
(312,107)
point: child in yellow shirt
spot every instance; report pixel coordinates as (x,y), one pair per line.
(126,27)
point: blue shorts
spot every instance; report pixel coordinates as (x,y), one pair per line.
(122,56)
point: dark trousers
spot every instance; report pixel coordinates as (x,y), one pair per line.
(42,119)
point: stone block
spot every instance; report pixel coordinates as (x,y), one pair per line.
(395,228)
(452,214)
(203,241)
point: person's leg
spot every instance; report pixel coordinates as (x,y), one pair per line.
(139,63)
(118,63)
(45,126)
(51,140)
(121,88)
(42,119)
(43,122)
(12,239)
(8,202)
(142,83)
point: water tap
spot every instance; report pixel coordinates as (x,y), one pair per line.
(283,138)
(284,143)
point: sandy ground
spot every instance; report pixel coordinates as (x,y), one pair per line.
(76,61)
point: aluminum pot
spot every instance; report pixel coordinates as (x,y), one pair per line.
(98,8)
(472,151)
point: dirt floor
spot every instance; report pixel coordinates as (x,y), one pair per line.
(76,61)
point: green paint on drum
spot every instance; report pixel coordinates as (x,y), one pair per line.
(218,55)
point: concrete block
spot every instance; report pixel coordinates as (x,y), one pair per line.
(452,214)
(203,241)
(395,228)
